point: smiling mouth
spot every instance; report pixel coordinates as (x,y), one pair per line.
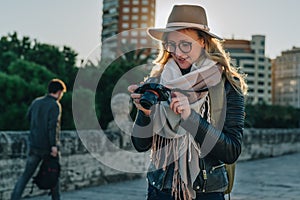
(181,59)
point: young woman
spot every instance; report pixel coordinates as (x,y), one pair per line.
(200,128)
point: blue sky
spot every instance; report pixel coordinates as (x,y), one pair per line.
(77,23)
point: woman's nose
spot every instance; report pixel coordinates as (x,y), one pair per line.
(178,52)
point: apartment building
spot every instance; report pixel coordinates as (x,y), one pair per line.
(124,23)
(249,57)
(286,78)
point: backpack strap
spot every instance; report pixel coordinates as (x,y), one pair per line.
(218,104)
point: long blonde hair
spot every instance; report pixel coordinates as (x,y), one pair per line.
(213,50)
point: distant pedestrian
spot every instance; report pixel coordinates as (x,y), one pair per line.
(44,115)
(191,114)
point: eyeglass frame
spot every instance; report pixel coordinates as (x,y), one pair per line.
(174,45)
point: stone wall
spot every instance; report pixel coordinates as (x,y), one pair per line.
(80,168)
(83,166)
(262,143)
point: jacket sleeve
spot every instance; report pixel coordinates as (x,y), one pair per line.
(52,123)
(28,114)
(228,141)
(142,132)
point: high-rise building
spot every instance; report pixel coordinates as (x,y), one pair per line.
(249,57)
(286,78)
(122,23)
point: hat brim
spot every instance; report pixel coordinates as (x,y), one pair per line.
(157,33)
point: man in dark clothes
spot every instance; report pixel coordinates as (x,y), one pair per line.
(44,115)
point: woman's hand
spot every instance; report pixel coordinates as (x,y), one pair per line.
(136,99)
(180,105)
(54,151)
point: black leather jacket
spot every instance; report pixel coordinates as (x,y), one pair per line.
(226,150)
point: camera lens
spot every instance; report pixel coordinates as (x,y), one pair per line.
(148,99)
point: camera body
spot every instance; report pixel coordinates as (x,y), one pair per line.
(152,94)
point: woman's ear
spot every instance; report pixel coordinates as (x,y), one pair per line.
(201,41)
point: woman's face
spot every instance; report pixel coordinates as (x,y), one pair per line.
(185,47)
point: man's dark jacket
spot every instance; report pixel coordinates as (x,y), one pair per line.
(44,115)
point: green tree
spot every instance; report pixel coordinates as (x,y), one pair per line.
(268,116)
(31,72)
(26,67)
(112,76)
(14,101)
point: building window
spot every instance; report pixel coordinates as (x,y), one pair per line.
(134,33)
(261,83)
(145,2)
(260,91)
(249,66)
(143,41)
(250,74)
(144,17)
(125,25)
(260,75)
(261,51)
(125,10)
(250,82)
(144,10)
(125,17)
(134,41)
(144,25)
(124,33)
(143,33)
(134,25)
(135,2)
(126,2)
(261,67)
(135,10)
(134,17)
(112,10)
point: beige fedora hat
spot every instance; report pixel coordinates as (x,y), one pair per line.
(184,16)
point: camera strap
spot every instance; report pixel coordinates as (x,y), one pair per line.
(186,92)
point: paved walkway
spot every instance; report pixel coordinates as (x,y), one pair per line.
(265,179)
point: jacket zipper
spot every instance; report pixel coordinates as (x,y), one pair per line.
(204,174)
(205,179)
(216,167)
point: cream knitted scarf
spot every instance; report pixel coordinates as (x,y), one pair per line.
(172,143)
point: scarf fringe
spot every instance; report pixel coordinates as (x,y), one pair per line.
(180,190)
(171,151)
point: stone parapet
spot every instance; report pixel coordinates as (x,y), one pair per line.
(262,143)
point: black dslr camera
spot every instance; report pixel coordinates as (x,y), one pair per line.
(152,94)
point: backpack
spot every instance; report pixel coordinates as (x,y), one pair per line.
(217,97)
(48,174)
(230,169)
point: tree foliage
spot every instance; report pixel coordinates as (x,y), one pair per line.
(30,71)
(114,80)
(26,67)
(267,116)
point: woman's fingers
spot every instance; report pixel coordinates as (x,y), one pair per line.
(136,99)
(132,88)
(180,105)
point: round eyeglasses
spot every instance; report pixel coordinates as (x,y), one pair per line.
(184,46)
